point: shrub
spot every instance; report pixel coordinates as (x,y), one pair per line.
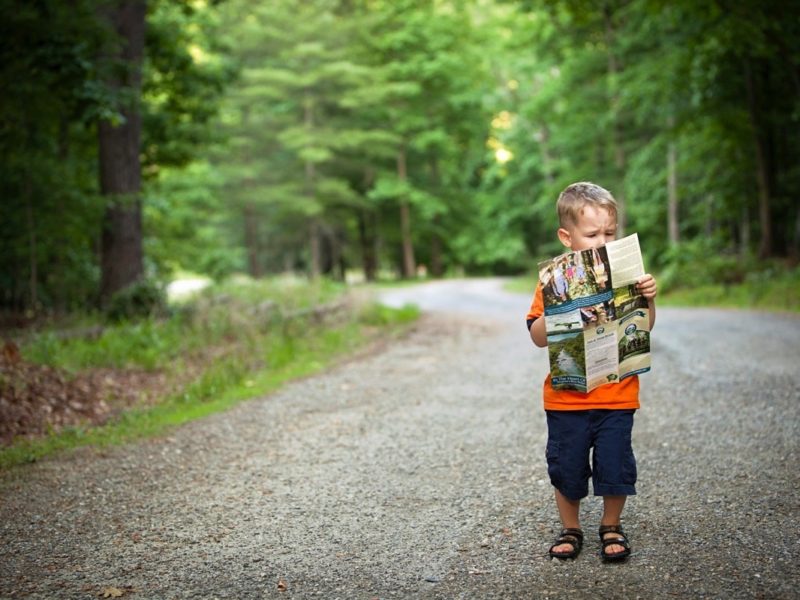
(144,298)
(703,262)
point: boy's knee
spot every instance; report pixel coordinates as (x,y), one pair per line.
(567,463)
(614,464)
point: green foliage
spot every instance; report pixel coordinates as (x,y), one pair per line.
(54,72)
(774,288)
(49,215)
(145,298)
(144,343)
(217,313)
(278,135)
(183,215)
(603,93)
(380,315)
(701,262)
(328,97)
(186,71)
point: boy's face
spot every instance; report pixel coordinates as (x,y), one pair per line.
(595,226)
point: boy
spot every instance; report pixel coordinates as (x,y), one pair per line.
(601,419)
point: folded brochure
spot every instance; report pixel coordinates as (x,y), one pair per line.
(598,325)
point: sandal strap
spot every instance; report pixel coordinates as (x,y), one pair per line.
(623,541)
(573,537)
(577,533)
(619,538)
(604,529)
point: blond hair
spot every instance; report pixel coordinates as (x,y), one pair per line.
(577,195)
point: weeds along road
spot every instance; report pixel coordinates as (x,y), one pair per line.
(416,470)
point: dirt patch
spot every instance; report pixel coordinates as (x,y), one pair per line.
(37,399)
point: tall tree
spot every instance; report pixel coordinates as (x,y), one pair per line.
(119,148)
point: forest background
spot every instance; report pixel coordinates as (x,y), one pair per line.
(364,139)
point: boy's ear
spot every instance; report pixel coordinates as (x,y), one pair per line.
(565,237)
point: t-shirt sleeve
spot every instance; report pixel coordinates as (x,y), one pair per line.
(537,306)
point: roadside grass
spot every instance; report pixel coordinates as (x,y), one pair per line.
(234,311)
(767,290)
(522,284)
(776,294)
(240,340)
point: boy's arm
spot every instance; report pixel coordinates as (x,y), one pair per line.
(647,287)
(651,305)
(539,332)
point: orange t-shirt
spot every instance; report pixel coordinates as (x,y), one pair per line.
(620,396)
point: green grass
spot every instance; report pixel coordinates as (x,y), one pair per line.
(257,360)
(523,284)
(145,344)
(773,297)
(214,315)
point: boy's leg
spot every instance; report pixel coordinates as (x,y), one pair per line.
(569,512)
(614,465)
(612,515)
(568,465)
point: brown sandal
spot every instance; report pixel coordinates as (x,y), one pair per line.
(573,537)
(620,539)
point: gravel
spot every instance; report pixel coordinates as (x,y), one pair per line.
(416,470)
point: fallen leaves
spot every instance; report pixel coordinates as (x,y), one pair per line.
(37,399)
(112,591)
(11,353)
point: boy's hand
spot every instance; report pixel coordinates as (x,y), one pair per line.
(646,285)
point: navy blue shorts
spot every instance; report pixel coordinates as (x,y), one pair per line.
(607,434)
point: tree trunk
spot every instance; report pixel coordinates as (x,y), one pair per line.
(338,263)
(367,240)
(437,264)
(409,263)
(744,232)
(762,166)
(366,234)
(316,249)
(57,263)
(251,240)
(314,230)
(616,132)
(33,282)
(794,246)
(672,191)
(330,252)
(119,146)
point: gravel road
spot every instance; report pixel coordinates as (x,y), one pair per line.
(416,470)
